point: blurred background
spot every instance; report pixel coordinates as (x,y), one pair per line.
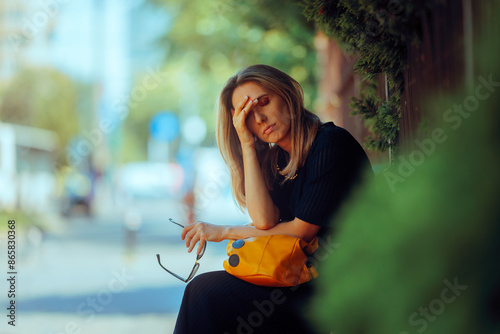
(107,129)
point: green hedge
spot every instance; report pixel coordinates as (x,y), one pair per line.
(423,257)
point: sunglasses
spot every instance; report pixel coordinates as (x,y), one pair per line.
(196,264)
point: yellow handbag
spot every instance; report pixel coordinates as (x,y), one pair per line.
(274,260)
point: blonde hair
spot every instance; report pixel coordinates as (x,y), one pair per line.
(303,126)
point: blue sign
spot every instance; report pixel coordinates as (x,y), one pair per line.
(164,127)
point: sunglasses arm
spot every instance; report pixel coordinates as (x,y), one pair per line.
(171,273)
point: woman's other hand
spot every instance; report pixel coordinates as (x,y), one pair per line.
(240,115)
(202,232)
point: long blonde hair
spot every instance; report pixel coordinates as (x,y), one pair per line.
(303,126)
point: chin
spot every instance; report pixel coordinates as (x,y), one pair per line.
(271,140)
(267,141)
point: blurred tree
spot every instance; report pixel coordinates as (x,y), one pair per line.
(210,40)
(42,98)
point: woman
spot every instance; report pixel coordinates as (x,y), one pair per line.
(291,173)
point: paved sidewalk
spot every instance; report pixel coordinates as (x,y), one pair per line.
(45,323)
(84,278)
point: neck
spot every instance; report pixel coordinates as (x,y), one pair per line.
(286,148)
(286,143)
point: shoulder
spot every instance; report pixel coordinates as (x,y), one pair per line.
(333,145)
(332,137)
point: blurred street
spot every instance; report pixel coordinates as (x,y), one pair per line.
(90,274)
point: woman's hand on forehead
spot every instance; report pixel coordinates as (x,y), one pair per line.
(240,115)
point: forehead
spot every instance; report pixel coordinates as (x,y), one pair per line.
(250,89)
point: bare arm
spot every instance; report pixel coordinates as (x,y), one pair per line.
(295,228)
(260,206)
(202,232)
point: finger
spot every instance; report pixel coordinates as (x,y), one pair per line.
(194,240)
(249,106)
(186,229)
(200,246)
(244,112)
(246,108)
(240,105)
(190,236)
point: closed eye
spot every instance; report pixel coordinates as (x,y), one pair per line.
(263,101)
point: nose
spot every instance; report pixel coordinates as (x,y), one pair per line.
(259,116)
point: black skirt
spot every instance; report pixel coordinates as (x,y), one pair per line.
(217,302)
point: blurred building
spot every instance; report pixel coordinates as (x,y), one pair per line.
(13,35)
(26,161)
(101,44)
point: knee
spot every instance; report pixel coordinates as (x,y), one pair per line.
(199,282)
(202,285)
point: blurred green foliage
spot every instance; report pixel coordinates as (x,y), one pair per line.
(378,115)
(378,32)
(208,42)
(399,252)
(42,98)
(19,216)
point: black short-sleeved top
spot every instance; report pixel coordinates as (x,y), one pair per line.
(333,166)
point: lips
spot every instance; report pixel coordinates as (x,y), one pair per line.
(269,129)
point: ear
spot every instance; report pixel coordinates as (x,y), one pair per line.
(232,112)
